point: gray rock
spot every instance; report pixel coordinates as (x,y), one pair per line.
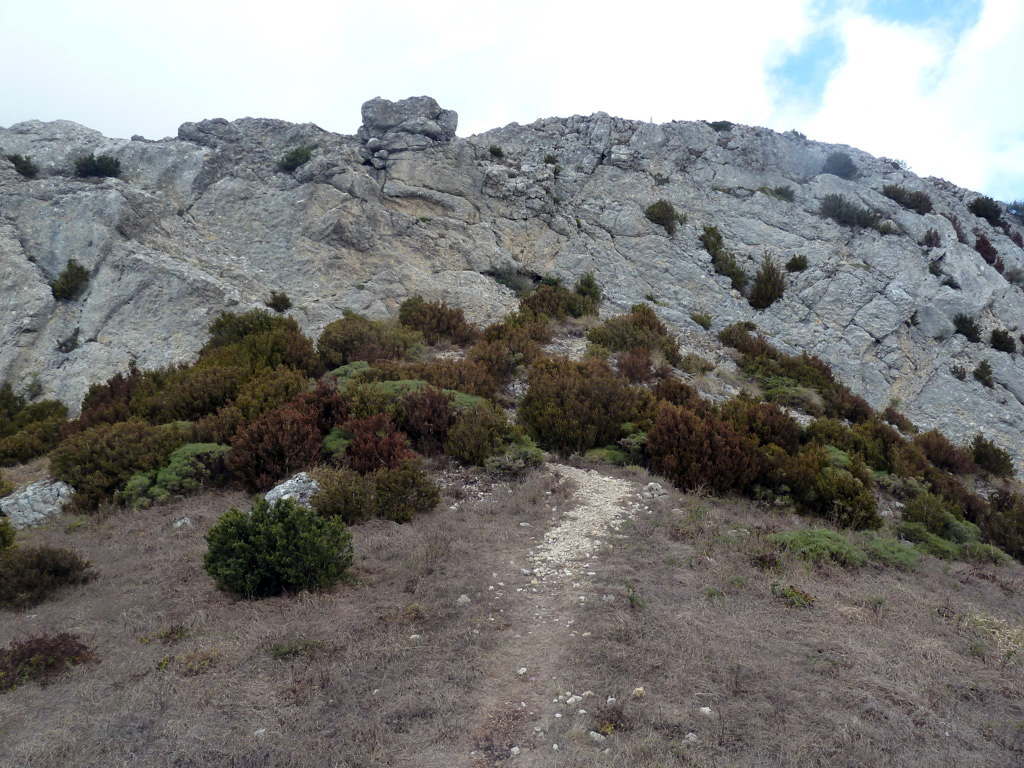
(37,503)
(300,487)
(420,119)
(463,601)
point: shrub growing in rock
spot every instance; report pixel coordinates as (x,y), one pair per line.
(844,211)
(24,166)
(436,321)
(71,282)
(663,213)
(931,239)
(557,302)
(991,457)
(279,301)
(840,164)
(797,263)
(915,201)
(295,158)
(284,547)
(40,659)
(1003,341)
(988,209)
(722,260)
(967,326)
(639,329)
(29,575)
(983,373)
(98,461)
(769,284)
(97,166)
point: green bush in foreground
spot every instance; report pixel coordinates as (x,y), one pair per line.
(281,548)
(821,546)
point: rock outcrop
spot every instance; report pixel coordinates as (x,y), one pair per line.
(37,503)
(207,222)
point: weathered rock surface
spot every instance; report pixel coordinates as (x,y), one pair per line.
(37,503)
(301,487)
(206,222)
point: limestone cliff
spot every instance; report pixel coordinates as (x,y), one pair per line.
(207,222)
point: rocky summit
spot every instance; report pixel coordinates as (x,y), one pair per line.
(226,213)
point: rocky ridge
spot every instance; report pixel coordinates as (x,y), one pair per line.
(206,222)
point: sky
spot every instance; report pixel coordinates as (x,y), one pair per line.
(935,83)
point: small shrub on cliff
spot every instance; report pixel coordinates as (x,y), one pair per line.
(279,443)
(71,282)
(1003,341)
(230,327)
(5,490)
(557,302)
(915,201)
(988,251)
(295,158)
(436,321)
(640,329)
(99,166)
(24,166)
(983,373)
(931,239)
(273,549)
(967,326)
(988,209)
(663,213)
(279,301)
(98,461)
(844,211)
(29,575)
(40,659)
(840,164)
(769,284)
(722,260)
(991,457)
(797,263)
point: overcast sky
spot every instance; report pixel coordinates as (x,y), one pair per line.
(935,83)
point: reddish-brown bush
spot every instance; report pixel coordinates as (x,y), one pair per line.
(108,403)
(427,415)
(29,575)
(694,451)
(219,427)
(677,392)
(574,406)
(635,365)
(375,444)
(944,454)
(324,404)
(278,443)
(436,321)
(469,376)
(185,393)
(898,420)
(766,421)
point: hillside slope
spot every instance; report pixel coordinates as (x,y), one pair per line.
(207,221)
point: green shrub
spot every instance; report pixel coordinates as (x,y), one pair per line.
(188,468)
(892,552)
(821,546)
(988,209)
(436,321)
(928,542)
(844,211)
(403,491)
(24,166)
(276,445)
(71,282)
(797,263)
(184,393)
(570,407)
(703,319)
(931,239)
(557,302)
(231,328)
(723,261)
(967,326)
(991,457)
(40,659)
(7,534)
(588,288)
(984,553)
(840,495)
(519,456)
(769,284)
(983,373)
(479,433)
(721,125)
(273,549)
(784,193)
(344,494)
(268,391)
(34,439)
(98,461)
(840,164)
(940,518)
(1003,522)
(355,337)
(268,349)
(279,301)
(663,213)
(915,201)
(1003,341)
(100,166)
(295,158)
(640,329)
(70,343)
(29,575)
(496,152)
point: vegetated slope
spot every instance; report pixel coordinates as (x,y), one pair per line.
(689,600)
(221,216)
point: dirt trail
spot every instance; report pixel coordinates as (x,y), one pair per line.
(540,600)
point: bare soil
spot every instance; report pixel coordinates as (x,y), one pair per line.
(886,668)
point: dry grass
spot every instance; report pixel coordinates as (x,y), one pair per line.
(887,668)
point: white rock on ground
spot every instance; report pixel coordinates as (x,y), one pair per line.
(36,503)
(300,487)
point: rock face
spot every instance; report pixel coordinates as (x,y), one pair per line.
(36,503)
(207,222)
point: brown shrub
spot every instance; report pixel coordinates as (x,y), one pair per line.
(766,421)
(694,451)
(571,407)
(942,453)
(108,403)
(558,302)
(375,444)
(277,444)
(436,321)
(677,392)
(403,491)
(219,427)
(427,416)
(185,393)
(898,420)
(324,404)
(40,659)
(641,328)
(98,461)
(28,575)
(1003,522)
(30,441)
(355,337)
(635,365)
(478,433)
(268,390)
(470,376)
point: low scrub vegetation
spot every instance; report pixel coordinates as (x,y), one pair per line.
(97,166)
(769,284)
(295,158)
(30,575)
(663,213)
(723,261)
(918,202)
(639,329)
(71,282)
(24,166)
(988,209)
(844,211)
(840,164)
(40,659)
(436,321)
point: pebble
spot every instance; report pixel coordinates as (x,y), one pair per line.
(515,751)
(639,692)
(521,671)
(691,737)
(707,711)
(463,601)
(598,737)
